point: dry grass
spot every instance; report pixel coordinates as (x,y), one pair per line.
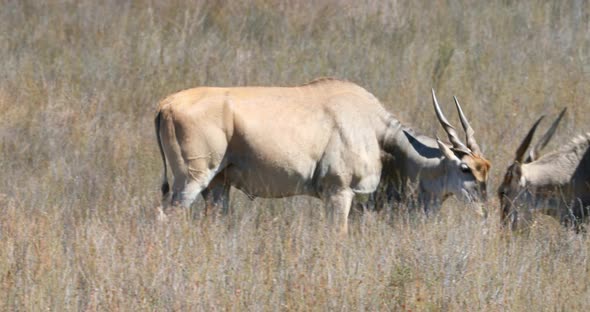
(79,83)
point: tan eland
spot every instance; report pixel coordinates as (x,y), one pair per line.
(557,183)
(324,139)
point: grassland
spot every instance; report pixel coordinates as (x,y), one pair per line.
(80,170)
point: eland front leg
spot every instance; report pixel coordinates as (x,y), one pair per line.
(217,195)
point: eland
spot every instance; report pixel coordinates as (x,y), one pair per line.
(324,139)
(557,183)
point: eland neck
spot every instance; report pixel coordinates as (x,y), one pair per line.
(417,158)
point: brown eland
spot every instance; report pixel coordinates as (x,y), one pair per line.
(324,139)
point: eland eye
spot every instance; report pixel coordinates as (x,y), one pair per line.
(465,168)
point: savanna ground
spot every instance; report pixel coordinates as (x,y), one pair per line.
(80,170)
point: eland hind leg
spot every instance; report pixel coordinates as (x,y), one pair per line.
(186,187)
(194,149)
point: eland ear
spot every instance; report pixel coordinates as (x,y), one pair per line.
(518,170)
(446,150)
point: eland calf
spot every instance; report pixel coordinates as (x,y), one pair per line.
(557,183)
(324,139)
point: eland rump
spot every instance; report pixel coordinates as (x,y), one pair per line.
(324,139)
(557,183)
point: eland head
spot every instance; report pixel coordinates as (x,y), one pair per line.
(530,180)
(467,169)
(434,169)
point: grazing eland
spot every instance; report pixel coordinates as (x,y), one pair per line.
(557,183)
(404,183)
(324,139)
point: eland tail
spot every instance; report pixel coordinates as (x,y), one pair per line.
(165,186)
